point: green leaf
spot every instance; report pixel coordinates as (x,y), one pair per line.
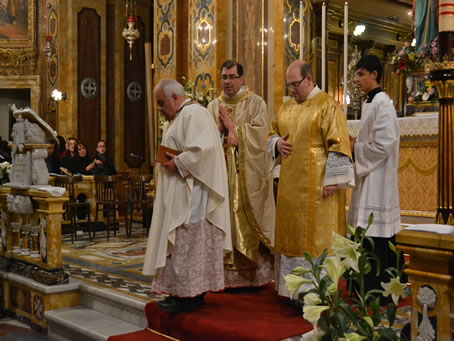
(308,257)
(392,247)
(391,312)
(387,334)
(371,219)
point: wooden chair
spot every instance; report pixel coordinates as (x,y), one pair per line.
(139,199)
(107,201)
(74,211)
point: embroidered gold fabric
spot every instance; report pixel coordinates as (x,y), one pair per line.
(304,220)
(250,181)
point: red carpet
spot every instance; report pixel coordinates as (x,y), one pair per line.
(244,316)
(247,316)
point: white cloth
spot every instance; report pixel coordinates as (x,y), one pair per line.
(376,162)
(54,191)
(194,133)
(283,266)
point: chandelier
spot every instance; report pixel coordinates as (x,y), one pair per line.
(130,32)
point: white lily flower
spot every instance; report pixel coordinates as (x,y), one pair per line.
(334,268)
(312,299)
(347,249)
(300,271)
(425,96)
(395,288)
(369,321)
(293,283)
(311,313)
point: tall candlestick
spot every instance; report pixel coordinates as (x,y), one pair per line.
(345,55)
(324,46)
(301,29)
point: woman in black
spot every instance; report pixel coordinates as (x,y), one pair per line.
(86,163)
(103,163)
(52,160)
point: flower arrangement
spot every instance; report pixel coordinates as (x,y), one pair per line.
(203,96)
(5,169)
(426,92)
(358,316)
(406,60)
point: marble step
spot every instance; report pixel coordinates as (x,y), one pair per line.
(82,323)
(121,306)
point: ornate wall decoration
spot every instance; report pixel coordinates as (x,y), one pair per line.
(134,91)
(17,45)
(165,37)
(202,32)
(292,30)
(202,44)
(38,307)
(52,31)
(89,88)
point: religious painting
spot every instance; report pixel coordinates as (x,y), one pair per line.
(17,23)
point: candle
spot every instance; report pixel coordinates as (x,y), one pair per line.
(324,46)
(301,29)
(446,10)
(345,55)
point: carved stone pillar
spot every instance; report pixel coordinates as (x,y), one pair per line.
(16,226)
(34,235)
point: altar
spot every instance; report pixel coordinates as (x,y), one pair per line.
(418,164)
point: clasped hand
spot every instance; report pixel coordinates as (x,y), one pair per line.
(283,146)
(170,165)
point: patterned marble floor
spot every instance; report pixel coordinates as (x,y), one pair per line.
(115,264)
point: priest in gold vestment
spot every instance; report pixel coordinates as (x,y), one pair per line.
(310,139)
(244,122)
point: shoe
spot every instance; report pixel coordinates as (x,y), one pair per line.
(190,304)
(169,304)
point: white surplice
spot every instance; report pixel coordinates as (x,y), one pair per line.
(376,161)
(202,194)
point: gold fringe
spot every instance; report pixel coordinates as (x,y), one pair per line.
(164,335)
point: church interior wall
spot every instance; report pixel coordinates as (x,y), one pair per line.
(261,34)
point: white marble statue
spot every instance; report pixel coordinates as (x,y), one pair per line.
(40,173)
(28,167)
(19,204)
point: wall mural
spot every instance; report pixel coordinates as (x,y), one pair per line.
(165,37)
(202,33)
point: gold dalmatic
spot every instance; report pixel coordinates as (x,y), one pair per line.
(250,182)
(304,220)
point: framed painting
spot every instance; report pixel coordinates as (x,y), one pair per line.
(17,24)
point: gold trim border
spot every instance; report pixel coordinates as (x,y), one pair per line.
(247,205)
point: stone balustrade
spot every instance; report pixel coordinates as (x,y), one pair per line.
(30,235)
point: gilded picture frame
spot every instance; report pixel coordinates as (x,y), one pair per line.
(17,24)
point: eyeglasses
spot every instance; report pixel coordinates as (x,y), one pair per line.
(294,85)
(231,77)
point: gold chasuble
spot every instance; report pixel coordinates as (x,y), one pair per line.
(304,220)
(250,180)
